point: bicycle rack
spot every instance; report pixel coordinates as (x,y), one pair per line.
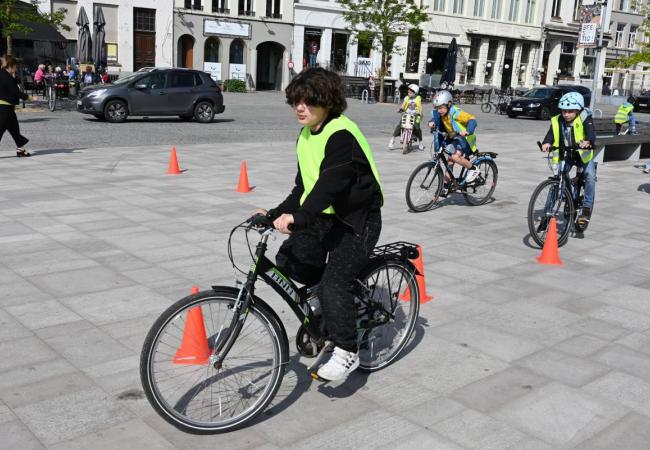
(364,96)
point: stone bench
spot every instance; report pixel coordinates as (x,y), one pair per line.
(612,147)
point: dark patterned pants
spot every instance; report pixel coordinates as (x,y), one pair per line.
(303,257)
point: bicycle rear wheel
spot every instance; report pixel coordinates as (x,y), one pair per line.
(388,310)
(423,187)
(546,202)
(479,191)
(177,363)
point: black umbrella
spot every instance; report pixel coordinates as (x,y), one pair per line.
(99,38)
(83,38)
(449,71)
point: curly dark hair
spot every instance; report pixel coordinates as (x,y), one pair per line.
(317,87)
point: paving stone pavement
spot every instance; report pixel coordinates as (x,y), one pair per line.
(94,244)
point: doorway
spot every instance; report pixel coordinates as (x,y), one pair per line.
(186,51)
(339,52)
(434,69)
(269,66)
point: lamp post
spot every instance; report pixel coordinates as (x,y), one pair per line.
(429,61)
(599,50)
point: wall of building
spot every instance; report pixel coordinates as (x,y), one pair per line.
(264,39)
(119,27)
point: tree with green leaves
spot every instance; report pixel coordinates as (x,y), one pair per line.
(382,21)
(16,15)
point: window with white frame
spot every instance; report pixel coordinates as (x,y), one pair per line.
(474,51)
(623,5)
(439,5)
(523,63)
(576,11)
(479,8)
(493,46)
(555,8)
(513,14)
(496,9)
(631,39)
(588,63)
(618,39)
(567,58)
(458,6)
(529,17)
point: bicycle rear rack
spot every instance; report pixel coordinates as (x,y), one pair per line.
(400,249)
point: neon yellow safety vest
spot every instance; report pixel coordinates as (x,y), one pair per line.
(418,106)
(623,113)
(311,152)
(586,154)
(458,127)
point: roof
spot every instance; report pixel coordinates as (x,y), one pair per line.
(40,32)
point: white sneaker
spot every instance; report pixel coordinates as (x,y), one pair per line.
(341,364)
(391,144)
(421,146)
(471,175)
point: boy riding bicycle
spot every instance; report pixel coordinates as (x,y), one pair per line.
(573,131)
(334,207)
(460,127)
(625,115)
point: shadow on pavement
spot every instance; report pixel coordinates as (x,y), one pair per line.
(56,150)
(528,242)
(33,119)
(645,187)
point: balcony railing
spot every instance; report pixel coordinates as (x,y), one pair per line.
(274,16)
(221,10)
(243,12)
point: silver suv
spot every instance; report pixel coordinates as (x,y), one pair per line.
(189,94)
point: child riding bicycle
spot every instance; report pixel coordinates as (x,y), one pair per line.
(573,131)
(412,103)
(460,127)
(334,207)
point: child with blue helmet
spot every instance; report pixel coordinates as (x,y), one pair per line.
(573,131)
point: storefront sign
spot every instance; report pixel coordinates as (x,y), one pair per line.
(237,72)
(214,69)
(226,28)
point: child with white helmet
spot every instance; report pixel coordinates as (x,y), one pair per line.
(573,131)
(460,128)
(412,102)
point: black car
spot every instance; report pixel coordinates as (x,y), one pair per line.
(541,102)
(157,92)
(642,103)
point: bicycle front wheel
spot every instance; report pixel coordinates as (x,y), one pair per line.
(549,201)
(486,107)
(177,364)
(388,310)
(423,187)
(479,191)
(51,98)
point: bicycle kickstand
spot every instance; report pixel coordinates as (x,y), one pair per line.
(328,347)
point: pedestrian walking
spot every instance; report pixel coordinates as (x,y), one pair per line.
(10,96)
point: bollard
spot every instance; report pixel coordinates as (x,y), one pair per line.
(364,96)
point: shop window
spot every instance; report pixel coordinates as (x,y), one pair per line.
(413,50)
(237,52)
(567,59)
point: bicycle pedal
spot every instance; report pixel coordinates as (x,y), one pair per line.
(314,376)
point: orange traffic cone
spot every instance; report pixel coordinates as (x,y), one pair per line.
(194,290)
(173,163)
(243,179)
(194,347)
(422,286)
(550,253)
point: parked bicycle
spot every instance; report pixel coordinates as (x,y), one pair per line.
(560,197)
(214,360)
(426,183)
(50,92)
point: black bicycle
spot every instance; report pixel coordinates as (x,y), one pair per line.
(559,196)
(426,183)
(214,360)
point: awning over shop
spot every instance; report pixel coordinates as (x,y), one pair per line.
(40,32)
(502,37)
